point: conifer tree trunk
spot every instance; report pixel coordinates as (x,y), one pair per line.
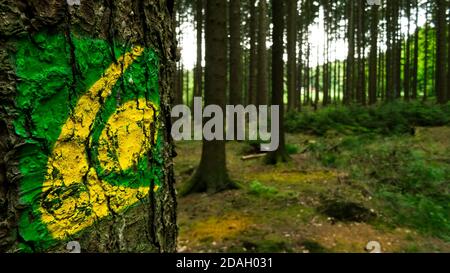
(70,70)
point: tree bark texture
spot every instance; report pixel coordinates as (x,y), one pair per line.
(85,147)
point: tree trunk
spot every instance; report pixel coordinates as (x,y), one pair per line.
(361,86)
(406,69)
(263,85)
(398,51)
(425,72)
(317,82)
(308,74)
(373,56)
(235,53)
(280,155)
(181,81)
(211,176)
(448,55)
(348,95)
(292,56)
(77,70)
(198,78)
(300,76)
(415,72)
(189,100)
(253,63)
(441,51)
(325,74)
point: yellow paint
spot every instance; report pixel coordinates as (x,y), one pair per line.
(132,122)
(68,170)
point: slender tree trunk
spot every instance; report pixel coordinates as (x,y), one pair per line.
(189,100)
(415,80)
(308,74)
(448,55)
(398,59)
(351,53)
(300,66)
(380,77)
(339,83)
(441,51)
(325,66)
(244,78)
(252,85)
(389,52)
(373,76)
(335,78)
(433,69)
(211,175)
(406,68)
(292,55)
(361,92)
(317,82)
(427,47)
(181,82)
(198,78)
(280,155)
(263,70)
(235,53)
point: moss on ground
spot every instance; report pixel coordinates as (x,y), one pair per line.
(283,208)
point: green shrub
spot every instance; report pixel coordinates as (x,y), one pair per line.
(292,149)
(257,188)
(387,118)
(414,189)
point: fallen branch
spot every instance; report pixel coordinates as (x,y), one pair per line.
(254,156)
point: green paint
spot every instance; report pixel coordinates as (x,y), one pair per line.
(46,94)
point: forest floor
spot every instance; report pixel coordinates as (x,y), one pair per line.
(328,198)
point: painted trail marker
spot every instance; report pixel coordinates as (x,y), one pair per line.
(91,133)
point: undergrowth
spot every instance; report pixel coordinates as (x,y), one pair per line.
(387,118)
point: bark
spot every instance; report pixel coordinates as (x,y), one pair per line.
(373,56)
(308,74)
(263,70)
(150,24)
(327,65)
(198,78)
(211,176)
(280,155)
(189,100)
(348,95)
(448,54)
(398,51)
(291,51)
(235,53)
(253,63)
(300,66)
(406,69)
(415,80)
(317,83)
(441,51)
(362,58)
(425,72)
